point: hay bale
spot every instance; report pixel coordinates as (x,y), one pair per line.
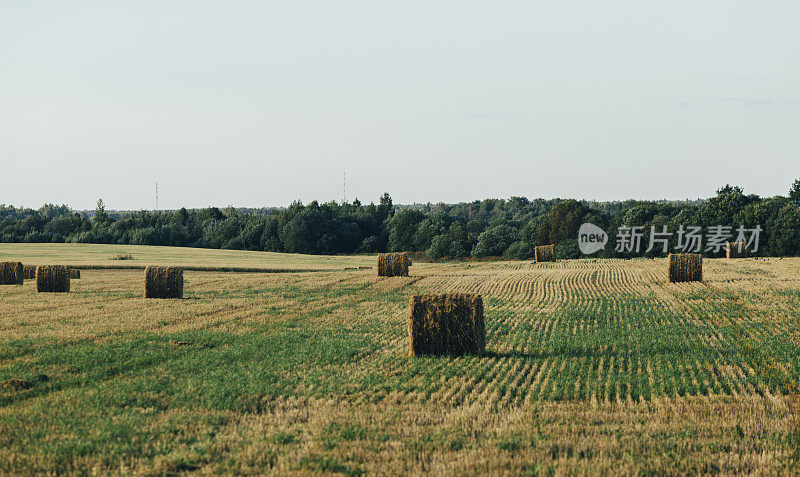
(736,250)
(11,273)
(74,273)
(545,253)
(393,264)
(29,272)
(52,279)
(163,282)
(446,324)
(685,267)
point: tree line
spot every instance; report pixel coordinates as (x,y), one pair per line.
(488,228)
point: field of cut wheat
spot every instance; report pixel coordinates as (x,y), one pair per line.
(591,366)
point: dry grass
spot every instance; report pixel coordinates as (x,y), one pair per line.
(85,256)
(591,366)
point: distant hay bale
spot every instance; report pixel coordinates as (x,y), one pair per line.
(736,250)
(446,324)
(545,253)
(163,282)
(52,279)
(74,273)
(29,272)
(685,267)
(393,264)
(11,273)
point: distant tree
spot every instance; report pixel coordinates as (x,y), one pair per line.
(563,222)
(516,203)
(794,192)
(181,216)
(385,208)
(721,209)
(211,213)
(489,227)
(494,241)
(460,245)
(52,211)
(302,233)
(402,229)
(270,237)
(100,215)
(369,244)
(529,232)
(520,250)
(786,237)
(729,189)
(440,247)
(767,215)
(475,226)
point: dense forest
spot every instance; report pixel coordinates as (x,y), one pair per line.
(489,228)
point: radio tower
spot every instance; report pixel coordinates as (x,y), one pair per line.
(156,195)
(344,187)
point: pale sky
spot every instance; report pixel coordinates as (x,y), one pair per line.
(258,103)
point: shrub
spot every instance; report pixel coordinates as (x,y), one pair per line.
(440,247)
(520,250)
(494,241)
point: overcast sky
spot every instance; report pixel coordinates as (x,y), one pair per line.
(258,103)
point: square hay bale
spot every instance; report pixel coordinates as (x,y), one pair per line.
(163,282)
(11,273)
(545,253)
(393,264)
(74,273)
(29,272)
(685,267)
(446,324)
(52,279)
(736,250)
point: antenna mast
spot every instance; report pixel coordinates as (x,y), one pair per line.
(156,195)
(344,186)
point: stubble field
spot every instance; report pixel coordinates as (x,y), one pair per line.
(592,366)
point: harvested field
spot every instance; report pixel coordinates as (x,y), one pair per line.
(591,366)
(88,256)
